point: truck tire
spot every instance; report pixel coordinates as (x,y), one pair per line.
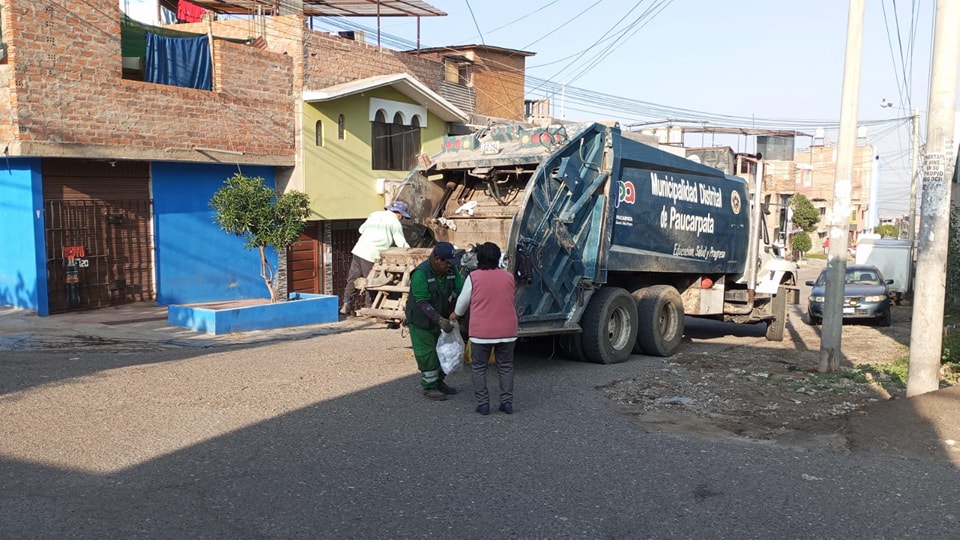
(571,346)
(609,326)
(779,309)
(660,314)
(638,297)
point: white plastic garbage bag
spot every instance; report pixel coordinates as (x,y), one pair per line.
(450,349)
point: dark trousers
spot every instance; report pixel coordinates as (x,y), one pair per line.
(358,268)
(479,357)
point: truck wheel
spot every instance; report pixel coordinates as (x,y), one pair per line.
(779,310)
(609,326)
(572,347)
(660,314)
(638,297)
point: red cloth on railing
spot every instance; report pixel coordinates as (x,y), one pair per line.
(187,12)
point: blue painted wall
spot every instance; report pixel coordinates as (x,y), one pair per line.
(23,274)
(196,260)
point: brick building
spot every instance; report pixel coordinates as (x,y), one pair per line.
(482,79)
(111,165)
(108,177)
(812,173)
(787,172)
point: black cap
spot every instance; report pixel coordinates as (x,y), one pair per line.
(445,250)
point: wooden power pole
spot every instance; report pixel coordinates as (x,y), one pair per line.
(926,332)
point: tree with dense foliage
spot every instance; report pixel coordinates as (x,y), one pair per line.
(800,242)
(887,231)
(247,208)
(805,215)
(953,265)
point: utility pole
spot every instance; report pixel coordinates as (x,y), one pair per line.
(914,181)
(926,331)
(840,219)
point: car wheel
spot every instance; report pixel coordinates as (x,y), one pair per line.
(885,319)
(812,319)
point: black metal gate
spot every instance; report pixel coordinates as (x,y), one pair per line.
(344,236)
(99,253)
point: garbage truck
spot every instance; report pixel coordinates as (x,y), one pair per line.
(612,242)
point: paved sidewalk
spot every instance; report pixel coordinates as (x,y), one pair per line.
(133,324)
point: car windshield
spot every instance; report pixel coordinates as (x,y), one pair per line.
(855,276)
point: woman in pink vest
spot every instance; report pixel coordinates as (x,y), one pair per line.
(488,293)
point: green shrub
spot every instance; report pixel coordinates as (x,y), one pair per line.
(887,231)
(800,242)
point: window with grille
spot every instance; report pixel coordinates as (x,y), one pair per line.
(394,145)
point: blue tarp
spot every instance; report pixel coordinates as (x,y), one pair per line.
(176,61)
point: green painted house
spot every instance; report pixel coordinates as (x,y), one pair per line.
(361,136)
(360,139)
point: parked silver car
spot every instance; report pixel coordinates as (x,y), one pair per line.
(865,295)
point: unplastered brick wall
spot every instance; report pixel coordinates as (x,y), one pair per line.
(6,108)
(332,60)
(779,177)
(498,79)
(823,163)
(283,34)
(68,97)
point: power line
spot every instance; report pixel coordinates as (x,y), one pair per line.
(591,102)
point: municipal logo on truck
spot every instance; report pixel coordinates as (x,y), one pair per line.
(735,201)
(626,193)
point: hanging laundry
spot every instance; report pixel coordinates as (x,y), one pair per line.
(179,61)
(188,12)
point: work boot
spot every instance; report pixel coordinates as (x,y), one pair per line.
(446,388)
(347,308)
(434,394)
(483,408)
(506,408)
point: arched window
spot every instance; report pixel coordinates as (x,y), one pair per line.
(319,133)
(341,128)
(395,145)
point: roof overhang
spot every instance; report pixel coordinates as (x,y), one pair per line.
(453,49)
(401,82)
(328,8)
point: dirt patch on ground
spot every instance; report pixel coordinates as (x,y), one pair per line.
(728,381)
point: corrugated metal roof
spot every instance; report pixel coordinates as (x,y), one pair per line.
(329,8)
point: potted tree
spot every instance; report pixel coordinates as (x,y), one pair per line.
(247,208)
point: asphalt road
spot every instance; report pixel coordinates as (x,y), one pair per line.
(325,435)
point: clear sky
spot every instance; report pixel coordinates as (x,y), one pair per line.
(743,63)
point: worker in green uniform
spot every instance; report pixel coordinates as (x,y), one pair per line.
(434,286)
